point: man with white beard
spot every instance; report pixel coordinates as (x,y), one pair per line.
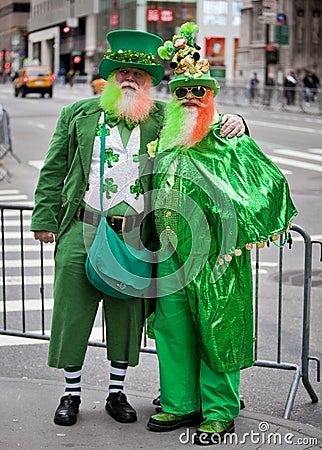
(67,212)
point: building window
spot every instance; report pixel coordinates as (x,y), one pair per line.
(237,5)
(215,12)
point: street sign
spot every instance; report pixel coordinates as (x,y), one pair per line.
(281,19)
(281,34)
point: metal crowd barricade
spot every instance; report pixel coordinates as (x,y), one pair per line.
(18,320)
(5,142)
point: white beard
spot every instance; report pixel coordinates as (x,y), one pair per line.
(184,137)
(126,102)
(131,104)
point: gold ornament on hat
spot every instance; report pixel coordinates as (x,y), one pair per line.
(190,68)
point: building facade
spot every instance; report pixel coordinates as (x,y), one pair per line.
(219,24)
(71,34)
(238,37)
(13,35)
(280,36)
(62,34)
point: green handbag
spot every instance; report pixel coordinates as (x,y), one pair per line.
(112,266)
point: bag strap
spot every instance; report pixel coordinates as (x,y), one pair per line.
(102,154)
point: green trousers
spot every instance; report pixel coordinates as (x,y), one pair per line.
(75,307)
(187,384)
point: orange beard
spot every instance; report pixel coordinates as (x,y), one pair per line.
(203,120)
(185,126)
(131,104)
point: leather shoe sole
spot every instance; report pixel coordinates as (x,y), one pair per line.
(163,425)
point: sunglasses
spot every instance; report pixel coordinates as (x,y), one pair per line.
(196,91)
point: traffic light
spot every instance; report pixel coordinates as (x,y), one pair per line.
(271,54)
(77,59)
(66,29)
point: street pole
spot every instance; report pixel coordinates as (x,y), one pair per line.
(267,30)
(141,15)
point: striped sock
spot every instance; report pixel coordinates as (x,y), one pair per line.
(117,376)
(73,380)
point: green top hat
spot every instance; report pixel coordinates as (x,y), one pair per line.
(189,68)
(132,48)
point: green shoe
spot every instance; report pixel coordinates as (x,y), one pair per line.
(168,422)
(212,432)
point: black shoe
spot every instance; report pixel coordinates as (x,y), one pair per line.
(157,403)
(119,408)
(66,413)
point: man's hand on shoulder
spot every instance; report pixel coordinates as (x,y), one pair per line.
(232,125)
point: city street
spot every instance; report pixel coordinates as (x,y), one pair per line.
(294,142)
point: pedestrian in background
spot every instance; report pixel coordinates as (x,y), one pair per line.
(253,87)
(290,83)
(269,88)
(311,85)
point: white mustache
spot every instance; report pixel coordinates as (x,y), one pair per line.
(129,84)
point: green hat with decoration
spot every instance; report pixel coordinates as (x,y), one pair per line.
(189,68)
(132,48)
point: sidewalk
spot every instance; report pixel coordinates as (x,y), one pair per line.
(27,408)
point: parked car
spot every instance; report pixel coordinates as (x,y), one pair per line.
(34,79)
(98,85)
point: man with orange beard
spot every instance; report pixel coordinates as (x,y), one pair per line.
(213,199)
(67,211)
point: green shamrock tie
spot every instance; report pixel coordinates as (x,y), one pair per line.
(112,120)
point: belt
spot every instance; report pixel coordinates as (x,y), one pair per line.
(118,223)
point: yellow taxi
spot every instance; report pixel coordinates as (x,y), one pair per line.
(34,80)
(98,85)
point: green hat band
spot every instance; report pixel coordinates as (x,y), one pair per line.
(132,57)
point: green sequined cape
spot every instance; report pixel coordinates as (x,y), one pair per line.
(210,202)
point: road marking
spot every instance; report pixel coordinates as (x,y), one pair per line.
(297,154)
(16,213)
(9,191)
(314,237)
(27,248)
(29,280)
(30,305)
(16,263)
(36,163)
(5,198)
(315,150)
(17,235)
(5,340)
(294,163)
(265,264)
(284,127)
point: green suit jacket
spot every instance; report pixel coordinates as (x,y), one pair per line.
(64,176)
